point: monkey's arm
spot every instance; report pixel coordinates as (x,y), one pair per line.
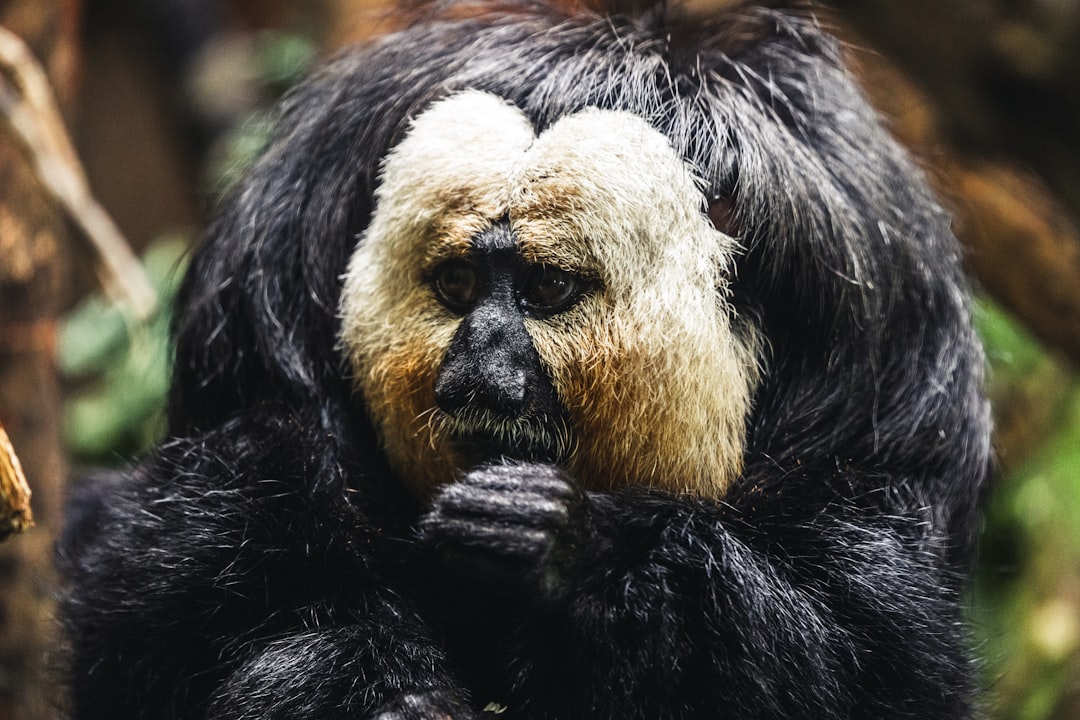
(758,608)
(229,571)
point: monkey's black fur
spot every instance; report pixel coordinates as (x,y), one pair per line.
(265,563)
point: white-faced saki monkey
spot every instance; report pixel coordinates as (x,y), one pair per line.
(559,365)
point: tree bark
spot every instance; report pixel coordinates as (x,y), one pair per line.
(34,277)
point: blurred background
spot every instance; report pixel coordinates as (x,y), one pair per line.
(167,100)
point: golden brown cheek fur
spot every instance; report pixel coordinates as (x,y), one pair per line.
(650,409)
(399,387)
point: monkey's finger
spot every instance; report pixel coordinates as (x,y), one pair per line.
(493,539)
(514,508)
(539,478)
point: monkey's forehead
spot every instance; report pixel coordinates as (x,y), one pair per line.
(596,186)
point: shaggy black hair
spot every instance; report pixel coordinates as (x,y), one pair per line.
(264,562)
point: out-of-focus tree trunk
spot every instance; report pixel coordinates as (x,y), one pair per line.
(34,280)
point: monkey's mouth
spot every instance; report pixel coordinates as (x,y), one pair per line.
(480,436)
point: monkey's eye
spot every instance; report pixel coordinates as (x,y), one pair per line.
(457,285)
(550,290)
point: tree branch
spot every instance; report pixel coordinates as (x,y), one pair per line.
(28,106)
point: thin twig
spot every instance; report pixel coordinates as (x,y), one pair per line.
(28,105)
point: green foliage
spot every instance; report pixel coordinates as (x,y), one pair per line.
(282,59)
(1011,352)
(1027,604)
(119,373)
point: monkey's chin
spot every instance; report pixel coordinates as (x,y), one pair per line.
(481,438)
(477,450)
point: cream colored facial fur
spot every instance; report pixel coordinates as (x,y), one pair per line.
(655,383)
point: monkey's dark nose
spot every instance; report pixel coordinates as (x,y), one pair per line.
(486,366)
(481,385)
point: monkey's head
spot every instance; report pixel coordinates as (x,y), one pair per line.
(489,235)
(559,295)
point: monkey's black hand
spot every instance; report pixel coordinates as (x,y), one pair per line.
(517,527)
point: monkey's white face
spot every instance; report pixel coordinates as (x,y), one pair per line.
(654,384)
